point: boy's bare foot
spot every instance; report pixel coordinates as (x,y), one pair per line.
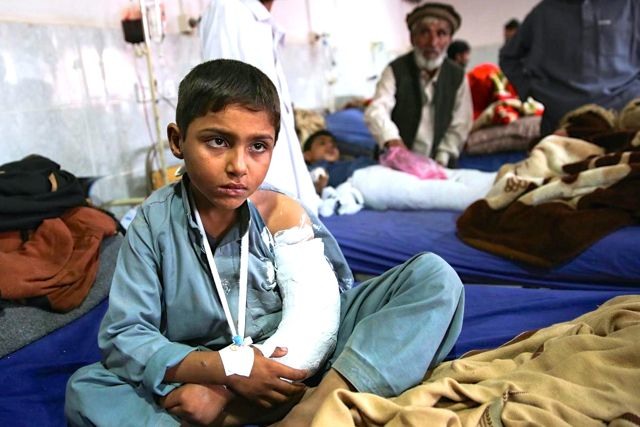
(197,404)
(241,412)
(302,414)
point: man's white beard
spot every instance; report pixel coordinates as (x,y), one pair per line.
(429,64)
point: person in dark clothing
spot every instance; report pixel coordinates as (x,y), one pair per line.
(510,29)
(459,52)
(572,53)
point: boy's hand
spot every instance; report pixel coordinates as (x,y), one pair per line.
(267,384)
(321,182)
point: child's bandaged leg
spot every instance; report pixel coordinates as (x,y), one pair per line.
(311,301)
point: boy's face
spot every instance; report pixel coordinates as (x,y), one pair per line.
(323,148)
(226,154)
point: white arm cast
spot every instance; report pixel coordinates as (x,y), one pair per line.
(311,301)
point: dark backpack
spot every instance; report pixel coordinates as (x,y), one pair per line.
(34,189)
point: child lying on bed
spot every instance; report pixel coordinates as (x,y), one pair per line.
(213,290)
(363,181)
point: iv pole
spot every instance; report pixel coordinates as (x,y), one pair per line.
(151,8)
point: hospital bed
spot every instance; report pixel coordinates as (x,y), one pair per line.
(34,375)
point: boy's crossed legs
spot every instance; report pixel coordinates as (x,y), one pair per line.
(393,328)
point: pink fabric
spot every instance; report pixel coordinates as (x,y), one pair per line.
(399,158)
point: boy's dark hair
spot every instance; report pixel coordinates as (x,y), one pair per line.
(308,143)
(512,24)
(456,47)
(214,85)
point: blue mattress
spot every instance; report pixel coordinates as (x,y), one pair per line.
(34,378)
(374,241)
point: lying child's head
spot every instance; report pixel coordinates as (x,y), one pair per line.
(320,145)
(228,118)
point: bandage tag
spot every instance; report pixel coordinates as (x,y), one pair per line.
(238,359)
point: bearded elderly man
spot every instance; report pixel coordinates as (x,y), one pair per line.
(422,100)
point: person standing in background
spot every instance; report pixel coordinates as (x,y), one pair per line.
(244,30)
(459,52)
(510,29)
(571,53)
(422,100)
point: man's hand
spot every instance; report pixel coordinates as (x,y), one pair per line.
(444,159)
(270,383)
(394,143)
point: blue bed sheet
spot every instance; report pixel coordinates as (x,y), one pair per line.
(34,378)
(374,241)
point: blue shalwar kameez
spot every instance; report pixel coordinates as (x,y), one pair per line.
(163,305)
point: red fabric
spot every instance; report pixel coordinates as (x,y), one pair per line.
(59,261)
(483,87)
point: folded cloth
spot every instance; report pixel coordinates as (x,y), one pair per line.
(58,262)
(343,200)
(515,136)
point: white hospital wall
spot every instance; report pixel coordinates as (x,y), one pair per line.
(68,80)
(364,35)
(68,88)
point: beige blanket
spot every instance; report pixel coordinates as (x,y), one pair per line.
(584,372)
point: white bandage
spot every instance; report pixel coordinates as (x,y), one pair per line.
(237,360)
(311,301)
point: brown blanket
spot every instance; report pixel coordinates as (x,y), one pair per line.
(584,372)
(547,209)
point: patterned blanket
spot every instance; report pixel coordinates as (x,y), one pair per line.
(564,197)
